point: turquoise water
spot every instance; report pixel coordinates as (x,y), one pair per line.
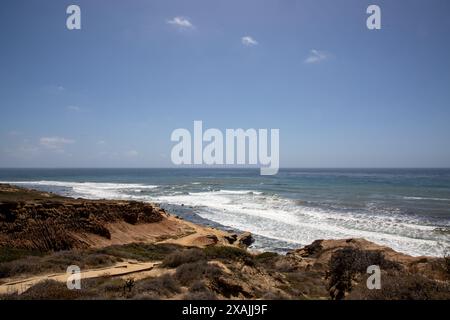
(406,209)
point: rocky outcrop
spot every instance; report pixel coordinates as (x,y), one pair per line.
(245,239)
(344,262)
(320,252)
(53,222)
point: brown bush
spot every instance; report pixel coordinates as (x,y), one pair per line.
(198,285)
(266,258)
(10,254)
(200,295)
(22,266)
(180,257)
(140,251)
(146,296)
(275,295)
(397,286)
(189,272)
(55,262)
(346,263)
(199,291)
(50,290)
(163,286)
(447,262)
(305,284)
(227,253)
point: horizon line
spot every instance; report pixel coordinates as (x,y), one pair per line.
(203,168)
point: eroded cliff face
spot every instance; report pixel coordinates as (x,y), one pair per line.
(42,221)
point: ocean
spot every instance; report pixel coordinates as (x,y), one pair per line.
(405,209)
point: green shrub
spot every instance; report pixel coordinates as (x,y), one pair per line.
(266,257)
(306,284)
(275,295)
(190,272)
(50,290)
(140,251)
(30,265)
(398,286)
(199,291)
(226,253)
(163,286)
(180,257)
(55,262)
(11,254)
(200,295)
(346,263)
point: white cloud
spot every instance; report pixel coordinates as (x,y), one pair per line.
(54,143)
(132,153)
(181,22)
(316,56)
(74,108)
(249,41)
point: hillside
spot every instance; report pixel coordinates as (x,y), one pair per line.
(133,250)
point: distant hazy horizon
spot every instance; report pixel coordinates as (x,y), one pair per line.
(234,167)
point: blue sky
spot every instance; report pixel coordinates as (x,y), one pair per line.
(110,94)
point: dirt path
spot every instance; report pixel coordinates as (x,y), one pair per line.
(120,269)
(197,236)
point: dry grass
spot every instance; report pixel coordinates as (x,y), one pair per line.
(17,262)
(400,286)
(180,257)
(56,262)
(347,263)
(190,272)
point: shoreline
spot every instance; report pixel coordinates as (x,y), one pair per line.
(40,226)
(280,220)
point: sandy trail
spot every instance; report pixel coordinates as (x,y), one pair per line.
(120,269)
(197,236)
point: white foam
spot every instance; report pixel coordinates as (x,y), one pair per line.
(94,190)
(282,219)
(238,192)
(424,198)
(279,218)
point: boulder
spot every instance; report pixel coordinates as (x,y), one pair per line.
(245,239)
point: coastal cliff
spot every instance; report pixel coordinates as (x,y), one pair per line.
(30,219)
(134,250)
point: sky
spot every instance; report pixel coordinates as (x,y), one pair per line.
(111,94)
